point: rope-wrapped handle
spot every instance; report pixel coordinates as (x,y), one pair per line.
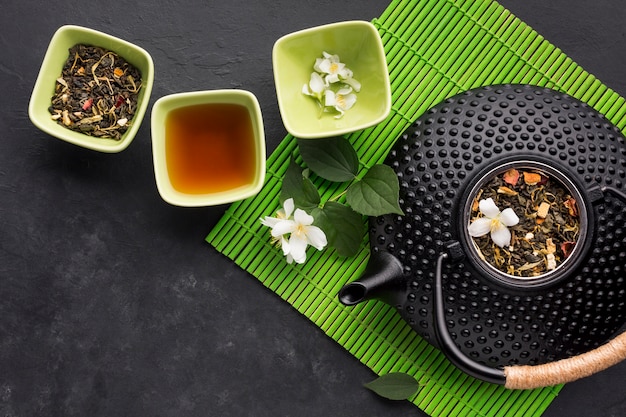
(524,376)
(567,370)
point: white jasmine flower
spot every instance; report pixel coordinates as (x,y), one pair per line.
(335,71)
(342,100)
(283,213)
(494,221)
(332,84)
(315,87)
(332,66)
(356,86)
(295,234)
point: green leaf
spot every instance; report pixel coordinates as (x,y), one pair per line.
(377,193)
(333,159)
(295,185)
(394,386)
(344,228)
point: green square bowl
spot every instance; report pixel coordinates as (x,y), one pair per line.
(56,55)
(159,118)
(358,45)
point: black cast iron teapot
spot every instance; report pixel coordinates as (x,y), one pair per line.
(518,331)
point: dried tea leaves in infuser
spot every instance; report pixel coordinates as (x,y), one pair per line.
(548,227)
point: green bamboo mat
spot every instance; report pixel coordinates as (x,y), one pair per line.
(435,49)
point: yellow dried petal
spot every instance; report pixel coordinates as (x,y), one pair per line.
(506,191)
(118,72)
(542,211)
(531,178)
(571,206)
(66,118)
(550,246)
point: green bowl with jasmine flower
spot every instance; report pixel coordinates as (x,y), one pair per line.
(357,44)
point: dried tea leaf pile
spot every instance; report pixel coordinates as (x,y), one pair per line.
(97,92)
(549,223)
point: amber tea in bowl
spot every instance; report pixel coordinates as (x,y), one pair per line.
(208,147)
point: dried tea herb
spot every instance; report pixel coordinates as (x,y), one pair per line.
(548,228)
(97,92)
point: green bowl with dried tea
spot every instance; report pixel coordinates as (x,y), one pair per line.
(92,89)
(331,80)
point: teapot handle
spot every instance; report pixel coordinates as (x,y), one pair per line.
(524,376)
(567,370)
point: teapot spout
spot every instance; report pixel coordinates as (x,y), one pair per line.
(382,279)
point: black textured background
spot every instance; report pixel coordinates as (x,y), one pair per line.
(112,304)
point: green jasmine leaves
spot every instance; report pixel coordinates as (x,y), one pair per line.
(394,386)
(343,226)
(334,159)
(377,193)
(298,186)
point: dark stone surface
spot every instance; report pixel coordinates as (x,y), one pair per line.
(111,301)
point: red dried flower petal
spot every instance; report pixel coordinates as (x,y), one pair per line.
(511,176)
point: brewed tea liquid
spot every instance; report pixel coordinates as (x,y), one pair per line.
(209,148)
